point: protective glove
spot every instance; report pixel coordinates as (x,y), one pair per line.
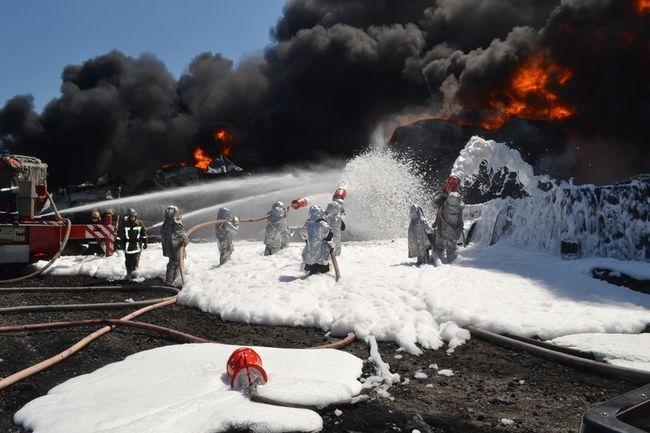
(235,221)
(144,245)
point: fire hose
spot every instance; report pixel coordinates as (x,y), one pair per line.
(111,324)
(188,338)
(181,251)
(78,307)
(335,263)
(560,356)
(22,374)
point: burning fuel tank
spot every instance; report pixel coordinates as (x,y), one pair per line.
(182,175)
(185,174)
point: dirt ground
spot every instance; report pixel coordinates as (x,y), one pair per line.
(489,382)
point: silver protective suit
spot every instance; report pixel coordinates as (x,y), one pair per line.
(419,234)
(173,237)
(277,232)
(225,234)
(449,227)
(333,215)
(316,233)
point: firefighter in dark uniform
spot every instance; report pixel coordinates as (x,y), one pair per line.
(132,238)
(9,169)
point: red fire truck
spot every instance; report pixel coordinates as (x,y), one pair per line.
(39,237)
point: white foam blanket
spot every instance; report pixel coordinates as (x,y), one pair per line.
(383,293)
(626,350)
(183,388)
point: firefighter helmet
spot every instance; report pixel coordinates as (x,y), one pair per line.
(131,213)
(223,213)
(171,211)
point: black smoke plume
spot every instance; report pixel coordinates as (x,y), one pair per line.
(335,69)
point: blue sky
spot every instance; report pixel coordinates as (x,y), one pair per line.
(39,38)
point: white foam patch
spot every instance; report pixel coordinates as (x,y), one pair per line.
(382,293)
(626,350)
(183,388)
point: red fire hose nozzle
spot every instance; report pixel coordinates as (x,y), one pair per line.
(244,368)
(340,194)
(451,185)
(299,203)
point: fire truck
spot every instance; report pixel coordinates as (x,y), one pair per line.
(43,237)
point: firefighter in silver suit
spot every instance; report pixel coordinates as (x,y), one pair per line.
(449,227)
(173,238)
(277,232)
(333,215)
(419,235)
(226,232)
(317,234)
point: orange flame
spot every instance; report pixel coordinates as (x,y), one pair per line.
(226,140)
(221,135)
(531,94)
(642,6)
(201,159)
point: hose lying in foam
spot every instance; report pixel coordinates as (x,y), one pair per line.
(111,325)
(545,351)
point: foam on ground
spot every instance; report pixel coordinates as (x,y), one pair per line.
(183,388)
(625,350)
(383,294)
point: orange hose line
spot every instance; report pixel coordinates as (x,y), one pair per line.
(22,374)
(92,322)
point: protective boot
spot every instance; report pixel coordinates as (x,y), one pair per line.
(424,258)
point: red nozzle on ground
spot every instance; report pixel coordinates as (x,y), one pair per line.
(244,368)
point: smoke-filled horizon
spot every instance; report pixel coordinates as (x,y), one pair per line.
(334,70)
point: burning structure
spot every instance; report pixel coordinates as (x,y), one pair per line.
(334,72)
(204,166)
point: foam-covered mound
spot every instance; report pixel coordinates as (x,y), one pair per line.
(184,388)
(606,220)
